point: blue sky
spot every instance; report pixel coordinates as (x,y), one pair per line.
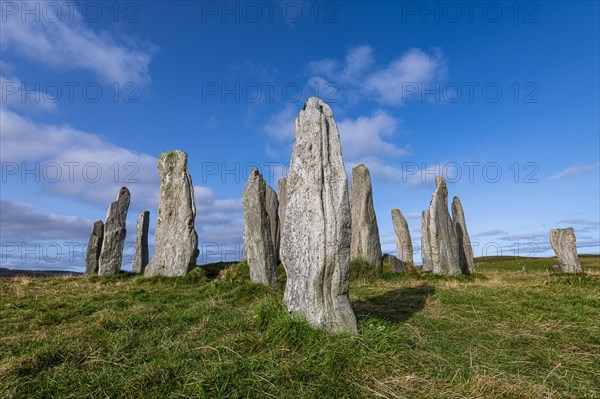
(501,98)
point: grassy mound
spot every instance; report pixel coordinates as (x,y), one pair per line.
(502,333)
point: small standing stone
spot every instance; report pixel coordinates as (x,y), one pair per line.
(94,247)
(176,243)
(111,255)
(563,244)
(425,245)
(257,231)
(281,185)
(403,240)
(315,247)
(140,257)
(272,205)
(365,242)
(443,241)
(396,265)
(465,250)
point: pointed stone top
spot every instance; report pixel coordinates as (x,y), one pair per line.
(175,157)
(318,104)
(456,201)
(360,167)
(397,211)
(254,173)
(123,191)
(440,182)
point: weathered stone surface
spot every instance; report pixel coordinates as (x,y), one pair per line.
(140,257)
(442,236)
(315,245)
(258,243)
(94,248)
(396,265)
(403,240)
(281,188)
(272,206)
(563,244)
(365,242)
(111,255)
(176,242)
(425,245)
(465,250)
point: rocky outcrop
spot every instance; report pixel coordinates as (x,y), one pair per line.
(315,247)
(442,236)
(258,243)
(563,244)
(425,245)
(365,244)
(176,240)
(94,248)
(465,250)
(403,240)
(272,206)
(140,256)
(111,255)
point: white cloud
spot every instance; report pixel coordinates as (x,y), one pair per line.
(12,96)
(414,68)
(77,164)
(575,171)
(74,45)
(281,127)
(364,136)
(396,83)
(20,220)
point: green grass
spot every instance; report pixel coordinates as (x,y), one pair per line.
(497,334)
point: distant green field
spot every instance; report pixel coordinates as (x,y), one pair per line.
(516,329)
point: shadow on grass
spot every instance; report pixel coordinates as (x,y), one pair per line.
(395,306)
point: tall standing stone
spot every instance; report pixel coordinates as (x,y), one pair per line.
(258,243)
(111,255)
(140,257)
(442,236)
(563,244)
(315,245)
(176,240)
(281,188)
(272,206)
(365,242)
(425,244)
(403,240)
(465,250)
(94,248)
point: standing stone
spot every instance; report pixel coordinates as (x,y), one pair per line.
(281,187)
(425,244)
(257,231)
(396,265)
(111,255)
(465,250)
(94,247)
(403,240)
(176,242)
(365,242)
(563,244)
(315,246)
(140,257)
(442,236)
(272,205)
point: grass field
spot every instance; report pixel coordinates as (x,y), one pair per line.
(502,333)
